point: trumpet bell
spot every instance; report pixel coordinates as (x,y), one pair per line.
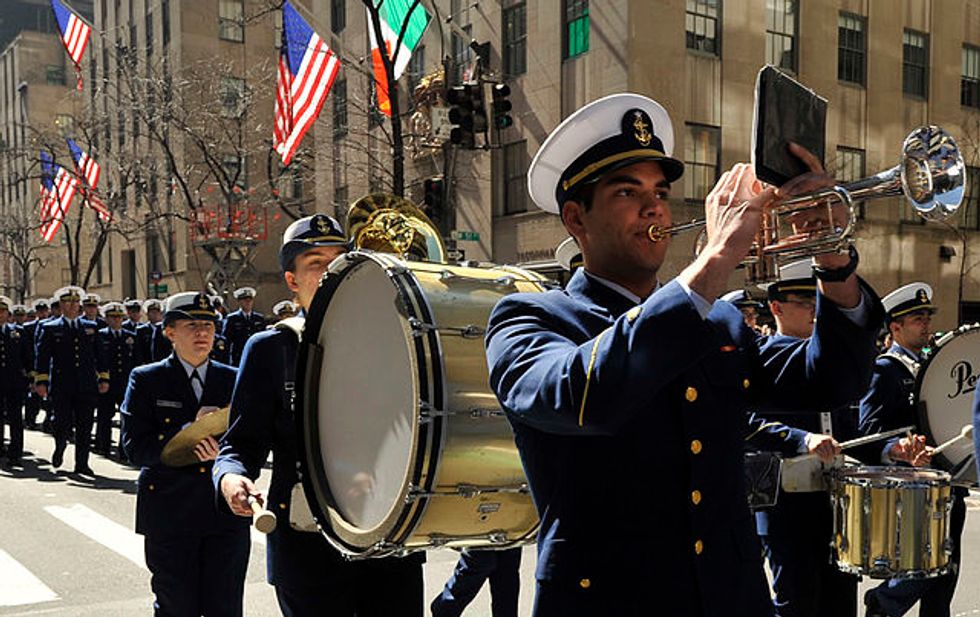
(387,223)
(933,173)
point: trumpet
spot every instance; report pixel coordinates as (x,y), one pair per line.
(930,175)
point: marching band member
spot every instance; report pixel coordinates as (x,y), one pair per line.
(70,366)
(607,379)
(197,556)
(888,404)
(310,577)
(747,304)
(242,323)
(284,310)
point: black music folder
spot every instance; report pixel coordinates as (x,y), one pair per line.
(785,111)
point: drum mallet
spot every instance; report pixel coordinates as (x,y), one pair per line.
(965,433)
(262,519)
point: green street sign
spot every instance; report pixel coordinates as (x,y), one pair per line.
(159,288)
(466,235)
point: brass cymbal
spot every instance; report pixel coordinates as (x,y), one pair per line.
(179,451)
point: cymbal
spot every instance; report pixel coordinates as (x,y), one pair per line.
(179,451)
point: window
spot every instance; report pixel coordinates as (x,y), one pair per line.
(165,17)
(515,177)
(702,26)
(702,160)
(148,24)
(338,15)
(231,20)
(781,28)
(416,69)
(970,81)
(340,108)
(55,75)
(515,40)
(463,54)
(851,48)
(232,95)
(234,167)
(971,201)
(915,63)
(850,167)
(576,30)
(65,124)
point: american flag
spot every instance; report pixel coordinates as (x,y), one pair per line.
(74,34)
(57,190)
(307,69)
(88,170)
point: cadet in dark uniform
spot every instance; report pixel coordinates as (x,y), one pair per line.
(134,310)
(242,323)
(19,314)
(284,310)
(219,352)
(144,331)
(15,362)
(118,348)
(55,308)
(33,402)
(749,306)
(475,567)
(628,398)
(70,367)
(888,404)
(90,308)
(796,531)
(197,556)
(311,578)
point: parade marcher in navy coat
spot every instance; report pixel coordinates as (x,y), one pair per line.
(628,398)
(311,578)
(796,530)
(118,349)
(241,324)
(90,309)
(15,363)
(144,331)
(889,404)
(197,556)
(33,403)
(134,309)
(70,369)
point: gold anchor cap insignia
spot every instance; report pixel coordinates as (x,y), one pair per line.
(641,129)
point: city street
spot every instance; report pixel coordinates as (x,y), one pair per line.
(68,549)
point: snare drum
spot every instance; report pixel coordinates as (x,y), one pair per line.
(891,522)
(403,445)
(944,391)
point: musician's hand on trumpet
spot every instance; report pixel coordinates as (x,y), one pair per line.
(823,447)
(236,489)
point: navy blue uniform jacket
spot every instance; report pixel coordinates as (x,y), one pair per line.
(888,404)
(237,329)
(15,357)
(119,355)
(69,359)
(631,422)
(159,402)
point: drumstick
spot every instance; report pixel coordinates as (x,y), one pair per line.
(965,433)
(860,441)
(262,519)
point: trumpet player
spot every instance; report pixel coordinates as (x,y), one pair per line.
(608,378)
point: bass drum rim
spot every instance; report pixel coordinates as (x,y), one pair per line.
(941,461)
(310,453)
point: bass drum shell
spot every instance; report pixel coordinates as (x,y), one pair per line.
(403,446)
(944,390)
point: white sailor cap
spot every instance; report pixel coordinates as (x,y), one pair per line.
(133,304)
(6,303)
(189,305)
(741,298)
(91,299)
(908,299)
(113,309)
(613,132)
(244,292)
(41,304)
(152,304)
(286,306)
(70,293)
(794,278)
(568,254)
(18,309)
(307,233)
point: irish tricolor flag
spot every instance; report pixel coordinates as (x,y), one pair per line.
(392,15)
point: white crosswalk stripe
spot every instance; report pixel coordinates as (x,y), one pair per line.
(105,531)
(19,586)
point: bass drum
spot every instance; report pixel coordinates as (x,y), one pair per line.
(944,390)
(403,447)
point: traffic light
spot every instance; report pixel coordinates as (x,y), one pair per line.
(468,112)
(434,199)
(501,106)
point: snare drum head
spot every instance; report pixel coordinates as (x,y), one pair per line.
(945,393)
(368,395)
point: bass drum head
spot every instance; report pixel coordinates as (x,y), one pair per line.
(944,391)
(359,404)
